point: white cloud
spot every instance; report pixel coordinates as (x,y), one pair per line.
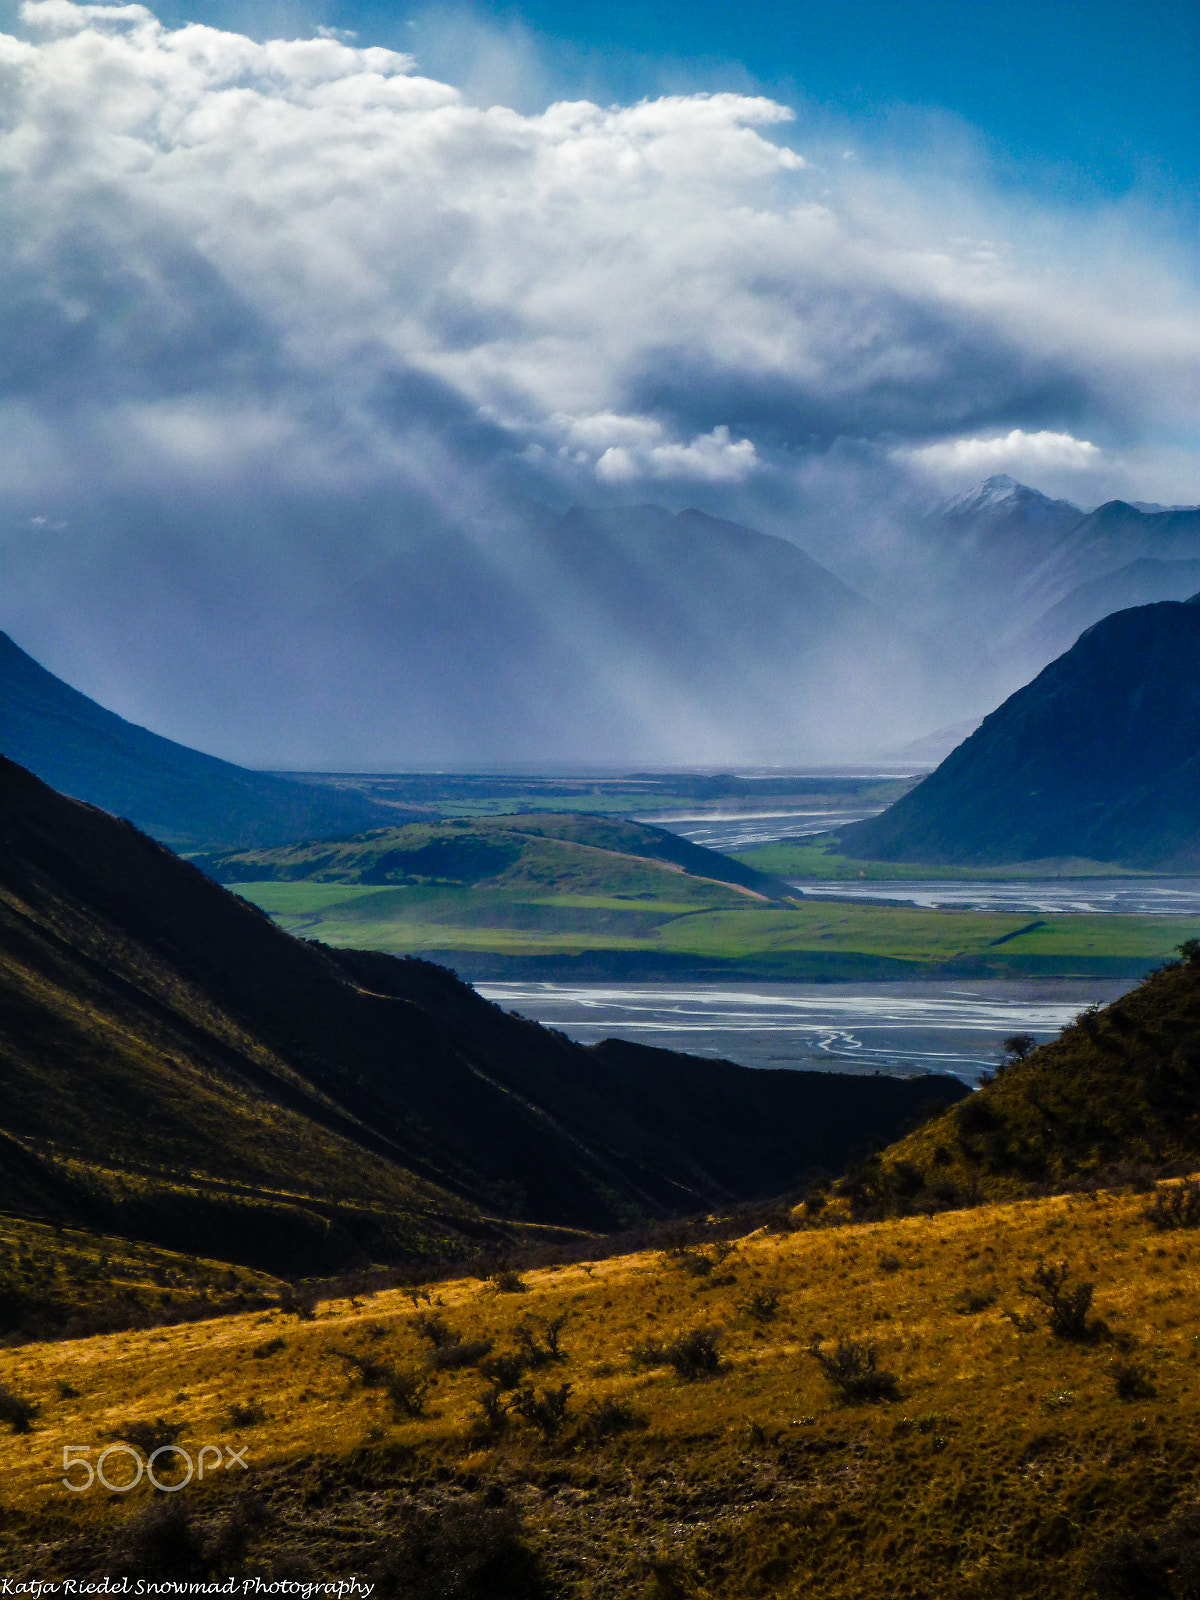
(1015,453)
(318,236)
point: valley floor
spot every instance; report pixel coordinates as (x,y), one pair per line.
(1007,1461)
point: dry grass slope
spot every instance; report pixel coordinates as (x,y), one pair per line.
(442,1445)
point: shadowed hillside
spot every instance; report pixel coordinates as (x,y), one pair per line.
(1098,757)
(176,1068)
(189,800)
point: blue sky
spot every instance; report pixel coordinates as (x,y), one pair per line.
(1092,97)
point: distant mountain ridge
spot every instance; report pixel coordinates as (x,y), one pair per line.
(183,797)
(1097,758)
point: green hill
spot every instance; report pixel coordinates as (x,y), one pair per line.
(189,800)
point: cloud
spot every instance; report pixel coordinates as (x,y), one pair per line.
(271,310)
(1015,452)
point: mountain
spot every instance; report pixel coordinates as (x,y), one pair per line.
(175,1068)
(1138,584)
(188,800)
(1098,758)
(632,635)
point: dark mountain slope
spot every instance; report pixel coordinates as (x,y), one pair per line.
(188,800)
(176,1067)
(1120,1087)
(1098,757)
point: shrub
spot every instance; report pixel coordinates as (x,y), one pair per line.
(505,1280)
(968,1302)
(696,1354)
(407,1389)
(298,1300)
(854,1371)
(16,1410)
(529,1336)
(462,1353)
(148,1436)
(648,1353)
(436,1330)
(547,1409)
(373,1374)
(1176,1205)
(464,1551)
(762,1305)
(1067,1305)
(491,1420)
(603,1418)
(504,1370)
(890,1263)
(244,1414)
(268,1347)
(1131,1381)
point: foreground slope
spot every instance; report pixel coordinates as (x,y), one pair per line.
(189,800)
(1010,1464)
(1098,757)
(177,1068)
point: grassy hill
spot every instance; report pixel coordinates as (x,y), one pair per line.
(1120,1088)
(189,800)
(176,1069)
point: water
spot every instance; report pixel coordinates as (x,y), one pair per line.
(895,1028)
(738,830)
(1126,896)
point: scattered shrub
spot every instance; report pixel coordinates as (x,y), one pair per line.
(648,1353)
(407,1389)
(696,1354)
(970,1301)
(466,1551)
(854,1371)
(505,1280)
(16,1410)
(1067,1305)
(373,1374)
(65,1390)
(890,1263)
(603,1418)
(1176,1205)
(491,1420)
(244,1414)
(436,1330)
(268,1347)
(148,1436)
(1132,1382)
(546,1410)
(460,1353)
(504,1370)
(530,1334)
(762,1305)
(298,1300)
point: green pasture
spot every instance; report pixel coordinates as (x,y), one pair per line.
(410,920)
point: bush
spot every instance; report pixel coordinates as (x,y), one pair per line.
(407,1389)
(1066,1304)
(1132,1382)
(504,1370)
(17,1411)
(436,1330)
(603,1418)
(970,1301)
(298,1300)
(268,1347)
(648,1353)
(462,1353)
(1176,1205)
(762,1305)
(244,1414)
(505,1280)
(491,1420)
(696,1355)
(547,1409)
(529,1336)
(854,1371)
(148,1436)
(467,1551)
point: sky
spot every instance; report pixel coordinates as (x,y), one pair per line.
(281,284)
